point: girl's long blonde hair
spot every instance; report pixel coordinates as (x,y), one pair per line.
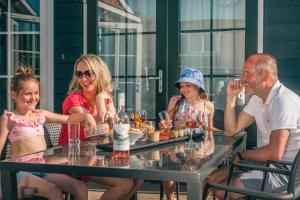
(99,68)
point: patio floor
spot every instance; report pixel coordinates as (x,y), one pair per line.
(142,195)
(148,191)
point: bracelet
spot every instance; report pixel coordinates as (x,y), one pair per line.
(240,156)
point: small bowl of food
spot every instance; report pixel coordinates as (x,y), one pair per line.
(149,126)
(154,136)
(134,136)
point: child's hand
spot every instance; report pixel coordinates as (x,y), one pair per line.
(165,124)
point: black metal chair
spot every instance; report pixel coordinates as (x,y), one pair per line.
(51,140)
(219,119)
(293,188)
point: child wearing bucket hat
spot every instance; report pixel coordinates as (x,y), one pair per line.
(192,98)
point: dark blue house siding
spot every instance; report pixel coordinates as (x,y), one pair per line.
(68,45)
(282,38)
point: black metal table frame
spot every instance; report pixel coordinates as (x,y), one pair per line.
(193,179)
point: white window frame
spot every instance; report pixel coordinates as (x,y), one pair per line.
(46,54)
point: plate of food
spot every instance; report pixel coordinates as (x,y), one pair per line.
(134,136)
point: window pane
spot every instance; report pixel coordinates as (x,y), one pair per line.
(22,26)
(127,43)
(26,51)
(20,44)
(124,40)
(219,92)
(140,94)
(195,51)
(194,14)
(3,17)
(146,11)
(3,91)
(229,52)
(228,14)
(3,55)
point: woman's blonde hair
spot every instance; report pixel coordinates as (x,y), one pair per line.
(100,70)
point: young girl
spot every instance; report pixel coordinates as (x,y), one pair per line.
(89,92)
(193,99)
(23,126)
(192,102)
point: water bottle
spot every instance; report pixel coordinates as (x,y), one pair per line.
(121,141)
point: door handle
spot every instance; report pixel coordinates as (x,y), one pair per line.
(159,78)
(160,75)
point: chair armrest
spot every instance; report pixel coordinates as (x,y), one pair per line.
(247,192)
(279,162)
(260,168)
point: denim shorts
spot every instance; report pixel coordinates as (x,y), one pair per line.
(22,174)
(275,182)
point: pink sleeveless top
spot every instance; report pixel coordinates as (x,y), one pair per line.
(25,128)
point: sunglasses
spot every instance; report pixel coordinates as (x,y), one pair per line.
(87,74)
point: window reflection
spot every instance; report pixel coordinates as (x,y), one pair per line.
(19,40)
(127,43)
(212,35)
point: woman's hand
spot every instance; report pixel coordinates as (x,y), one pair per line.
(109,116)
(89,124)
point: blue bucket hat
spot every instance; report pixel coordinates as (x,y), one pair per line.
(191,75)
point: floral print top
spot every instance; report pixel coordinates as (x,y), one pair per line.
(184,111)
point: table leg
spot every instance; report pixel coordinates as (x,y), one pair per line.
(194,191)
(9,185)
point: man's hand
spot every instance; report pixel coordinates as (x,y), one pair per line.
(234,87)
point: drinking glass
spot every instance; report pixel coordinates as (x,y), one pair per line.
(149,126)
(165,118)
(191,122)
(74,134)
(144,116)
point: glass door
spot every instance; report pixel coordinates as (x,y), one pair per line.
(126,41)
(147,42)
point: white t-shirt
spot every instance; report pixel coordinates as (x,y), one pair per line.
(280,111)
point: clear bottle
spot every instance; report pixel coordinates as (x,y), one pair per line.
(121,141)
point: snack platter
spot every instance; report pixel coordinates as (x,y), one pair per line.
(146,144)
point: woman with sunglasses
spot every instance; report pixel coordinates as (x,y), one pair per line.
(89,92)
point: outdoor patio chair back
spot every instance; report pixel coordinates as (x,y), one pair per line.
(292,192)
(219,119)
(52,132)
(294,179)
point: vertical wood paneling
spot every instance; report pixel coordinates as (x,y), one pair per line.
(282,38)
(68,45)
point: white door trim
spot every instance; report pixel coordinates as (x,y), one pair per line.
(46,55)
